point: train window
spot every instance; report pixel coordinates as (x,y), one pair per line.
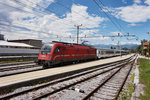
(99,52)
(57,50)
(46,49)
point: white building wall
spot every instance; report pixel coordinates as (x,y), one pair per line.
(9,51)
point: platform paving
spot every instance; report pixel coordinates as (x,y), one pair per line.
(8,80)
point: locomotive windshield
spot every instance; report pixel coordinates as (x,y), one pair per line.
(46,49)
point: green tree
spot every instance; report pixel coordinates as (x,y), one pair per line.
(143,41)
(125,48)
(140,49)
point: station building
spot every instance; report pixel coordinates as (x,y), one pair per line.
(146,48)
(33,42)
(16,49)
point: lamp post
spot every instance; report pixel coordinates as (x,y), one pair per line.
(119,47)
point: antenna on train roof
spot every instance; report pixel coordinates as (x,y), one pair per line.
(71,43)
(61,42)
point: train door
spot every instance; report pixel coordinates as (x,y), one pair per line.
(63,53)
(98,53)
(58,54)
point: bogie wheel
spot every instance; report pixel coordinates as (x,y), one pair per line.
(45,66)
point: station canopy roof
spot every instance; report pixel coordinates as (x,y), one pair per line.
(15,44)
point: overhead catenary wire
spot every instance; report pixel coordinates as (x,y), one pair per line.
(32,30)
(112,15)
(29,11)
(36,10)
(72,36)
(60,5)
(20,3)
(28,29)
(75,12)
(48,10)
(25,11)
(67,37)
(29,33)
(107,15)
(56,36)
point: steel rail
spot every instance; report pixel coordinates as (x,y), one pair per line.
(54,82)
(60,89)
(65,79)
(120,89)
(16,67)
(16,63)
(106,80)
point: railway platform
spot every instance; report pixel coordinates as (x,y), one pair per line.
(27,77)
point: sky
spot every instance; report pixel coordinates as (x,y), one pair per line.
(56,20)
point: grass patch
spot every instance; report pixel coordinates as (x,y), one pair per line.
(144,69)
(126,93)
(130,86)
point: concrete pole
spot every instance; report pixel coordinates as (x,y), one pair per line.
(77,32)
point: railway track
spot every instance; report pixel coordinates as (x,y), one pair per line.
(16,63)
(17,68)
(65,87)
(110,87)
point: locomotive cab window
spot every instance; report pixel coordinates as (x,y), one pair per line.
(57,50)
(46,49)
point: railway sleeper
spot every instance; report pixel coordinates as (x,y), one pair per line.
(102,96)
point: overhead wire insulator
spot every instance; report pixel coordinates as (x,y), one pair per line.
(127,34)
(118,34)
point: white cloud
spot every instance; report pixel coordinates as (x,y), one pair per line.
(133,13)
(147,2)
(137,1)
(51,25)
(104,38)
(83,17)
(132,24)
(138,43)
(92,36)
(124,43)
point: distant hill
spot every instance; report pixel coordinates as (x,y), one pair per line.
(129,46)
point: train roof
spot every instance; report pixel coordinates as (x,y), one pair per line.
(108,49)
(104,48)
(15,44)
(71,43)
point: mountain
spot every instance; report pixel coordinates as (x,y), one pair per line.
(129,46)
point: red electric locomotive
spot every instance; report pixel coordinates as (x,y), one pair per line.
(59,52)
